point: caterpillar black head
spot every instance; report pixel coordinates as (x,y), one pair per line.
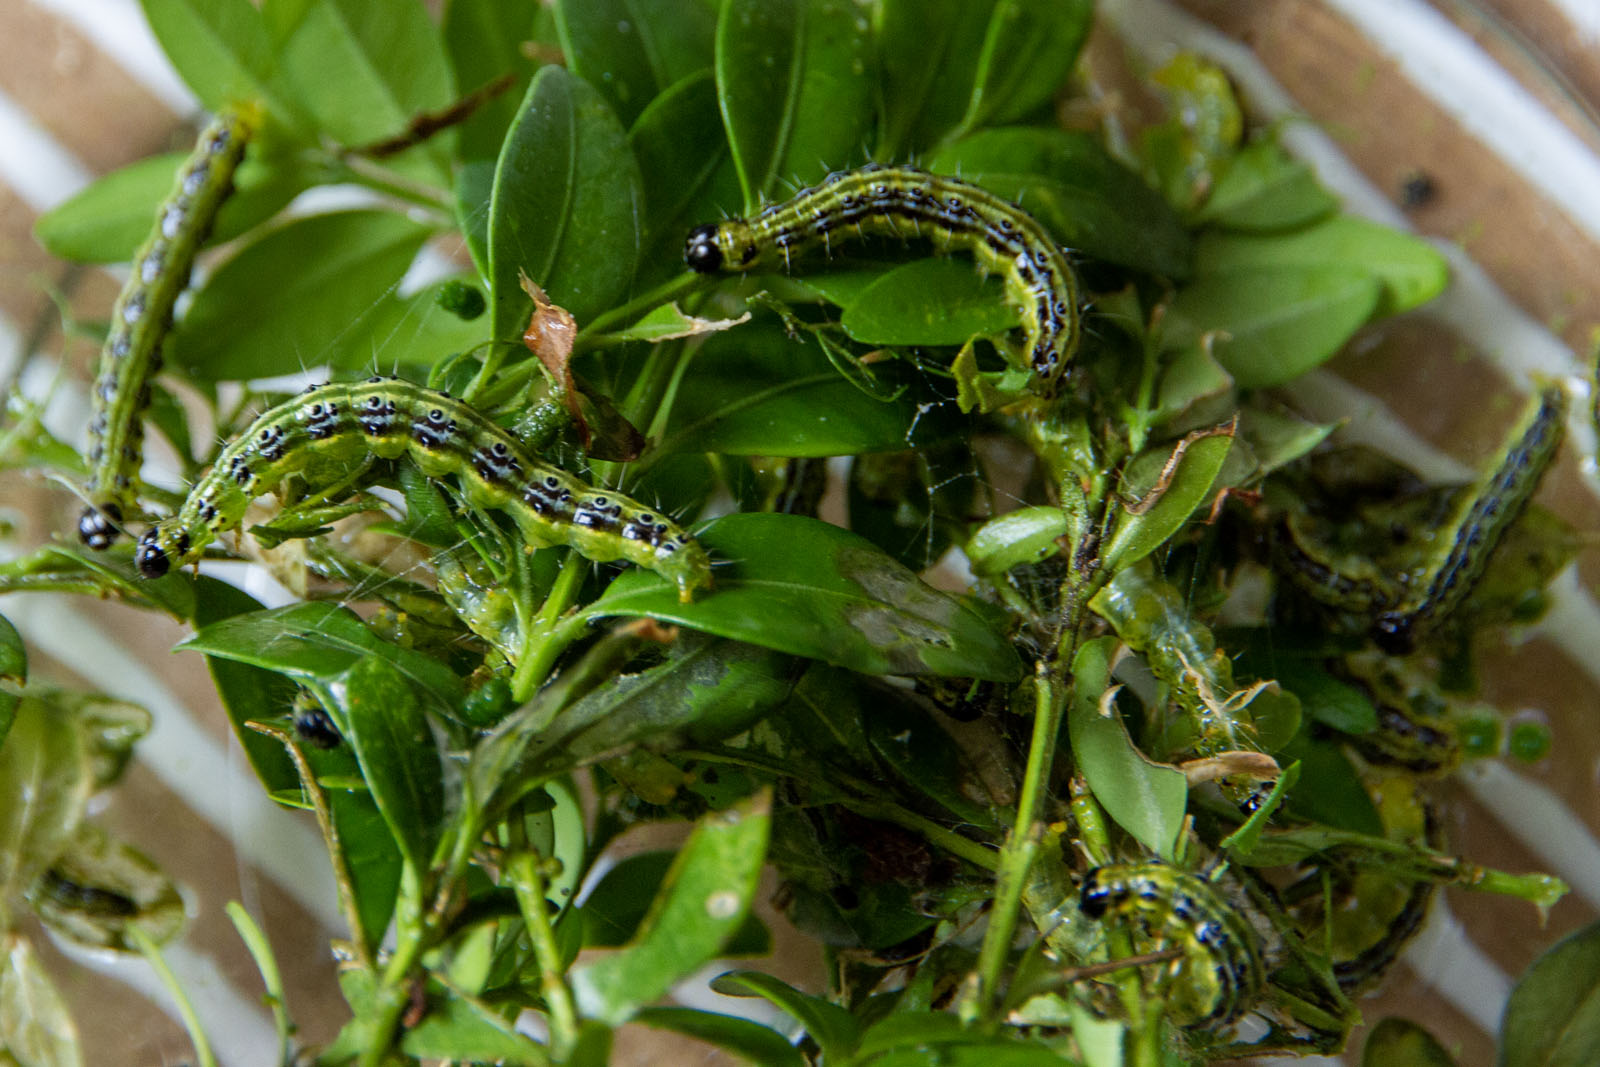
(152,558)
(98,527)
(701,251)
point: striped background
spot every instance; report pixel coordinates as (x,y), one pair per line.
(1493,100)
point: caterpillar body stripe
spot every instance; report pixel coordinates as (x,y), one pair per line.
(905,203)
(330,430)
(141,318)
(1480,523)
(1221,972)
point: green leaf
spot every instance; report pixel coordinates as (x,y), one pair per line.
(748,1040)
(13,656)
(107,220)
(928,302)
(566,203)
(284,301)
(1136,536)
(1273,323)
(317,642)
(399,756)
(802,586)
(1145,798)
(484,39)
(706,692)
(756,391)
(1410,271)
(100,890)
(687,172)
(247,692)
(703,902)
(1028,53)
(794,99)
(13,669)
(364,70)
(464,1030)
(614,908)
(632,51)
(1264,188)
(45,782)
(927,57)
(220,48)
(35,1025)
(1553,1016)
(409,330)
(1027,535)
(830,1026)
(1088,200)
(1402,1043)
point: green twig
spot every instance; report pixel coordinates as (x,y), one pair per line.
(191,1022)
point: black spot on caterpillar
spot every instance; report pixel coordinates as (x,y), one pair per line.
(140,320)
(313,724)
(1220,974)
(1480,524)
(903,203)
(330,430)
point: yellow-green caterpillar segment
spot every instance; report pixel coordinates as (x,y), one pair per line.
(1220,974)
(1480,523)
(141,318)
(905,203)
(330,430)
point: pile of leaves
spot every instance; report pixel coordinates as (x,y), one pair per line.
(1125,687)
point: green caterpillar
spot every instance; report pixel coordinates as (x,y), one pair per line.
(140,320)
(902,202)
(1220,974)
(1480,524)
(330,430)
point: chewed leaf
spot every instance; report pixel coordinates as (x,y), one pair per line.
(803,586)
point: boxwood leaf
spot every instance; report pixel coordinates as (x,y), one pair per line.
(1271,324)
(319,642)
(833,1029)
(1410,271)
(1553,1015)
(399,758)
(107,220)
(756,391)
(794,101)
(1028,52)
(1087,199)
(928,302)
(703,901)
(1402,1043)
(35,1025)
(1145,798)
(363,71)
(282,303)
(746,1039)
(803,586)
(565,207)
(632,51)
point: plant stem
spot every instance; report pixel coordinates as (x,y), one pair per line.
(1022,844)
(550,634)
(191,1022)
(528,880)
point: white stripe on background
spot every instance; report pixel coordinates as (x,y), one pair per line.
(1584,16)
(186,758)
(40,171)
(1458,969)
(1463,81)
(236,1024)
(118,28)
(1540,819)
